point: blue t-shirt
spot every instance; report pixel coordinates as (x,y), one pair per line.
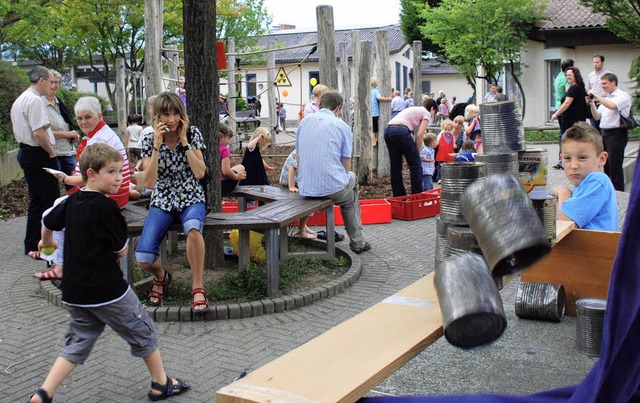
(375,106)
(593,204)
(466,156)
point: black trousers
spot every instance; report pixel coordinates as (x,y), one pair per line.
(615,141)
(401,144)
(43,189)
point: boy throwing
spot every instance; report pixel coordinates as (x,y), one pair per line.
(94,290)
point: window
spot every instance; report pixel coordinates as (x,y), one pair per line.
(426,86)
(316,75)
(552,70)
(398,77)
(405,78)
(251,85)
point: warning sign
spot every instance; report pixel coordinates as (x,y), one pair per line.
(282,79)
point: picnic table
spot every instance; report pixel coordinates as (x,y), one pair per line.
(281,209)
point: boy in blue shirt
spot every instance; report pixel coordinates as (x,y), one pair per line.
(592,204)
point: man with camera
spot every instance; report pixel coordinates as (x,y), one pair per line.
(615,136)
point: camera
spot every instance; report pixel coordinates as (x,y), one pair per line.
(591,96)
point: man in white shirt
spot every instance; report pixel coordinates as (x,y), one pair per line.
(397,104)
(593,81)
(32,129)
(492,94)
(324,144)
(612,104)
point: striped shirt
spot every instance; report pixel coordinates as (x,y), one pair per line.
(103,134)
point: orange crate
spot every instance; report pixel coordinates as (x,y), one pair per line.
(375,211)
(416,206)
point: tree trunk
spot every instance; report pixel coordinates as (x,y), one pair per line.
(381,158)
(326,47)
(516,79)
(201,85)
(363,110)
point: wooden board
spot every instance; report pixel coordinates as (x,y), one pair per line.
(345,362)
(581,261)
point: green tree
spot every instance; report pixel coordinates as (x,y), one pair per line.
(242,20)
(13,81)
(412,19)
(484,33)
(14,11)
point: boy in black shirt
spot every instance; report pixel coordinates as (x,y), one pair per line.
(94,290)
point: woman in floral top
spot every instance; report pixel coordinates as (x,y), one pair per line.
(173,165)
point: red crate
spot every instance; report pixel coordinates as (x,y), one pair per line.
(232,207)
(375,211)
(416,206)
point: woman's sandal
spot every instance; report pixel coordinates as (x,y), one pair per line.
(50,274)
(157,295)
(167,390)
(204,302)
(43,395)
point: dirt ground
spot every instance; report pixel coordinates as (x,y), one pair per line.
(14,197)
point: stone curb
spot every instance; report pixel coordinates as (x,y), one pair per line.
(245,309)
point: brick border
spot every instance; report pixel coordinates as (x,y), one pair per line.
(244,309)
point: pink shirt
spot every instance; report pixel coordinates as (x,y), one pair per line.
(224,153)
(411,117)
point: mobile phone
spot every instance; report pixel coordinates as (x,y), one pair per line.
(591,96)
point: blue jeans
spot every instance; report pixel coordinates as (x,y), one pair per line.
(157,224)
(66,164)
(400,143)
(427,182)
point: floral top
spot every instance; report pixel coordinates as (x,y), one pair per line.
(176,187)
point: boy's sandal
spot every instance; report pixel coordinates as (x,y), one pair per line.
(204,302)
(157,295)
(167,390)
(47,275)
(43,395)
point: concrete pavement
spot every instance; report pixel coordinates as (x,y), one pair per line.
(530,356)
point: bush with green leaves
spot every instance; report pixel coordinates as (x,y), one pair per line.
(13,82)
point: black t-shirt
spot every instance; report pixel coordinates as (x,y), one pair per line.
(576,111)
(95,231)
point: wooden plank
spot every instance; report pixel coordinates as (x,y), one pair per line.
(563,228)
(582,262)
(345,362)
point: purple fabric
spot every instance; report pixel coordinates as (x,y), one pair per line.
(616,375)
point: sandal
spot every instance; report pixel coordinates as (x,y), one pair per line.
(43,395)
(159,296)
(50,274)
(204,302)
(167,390)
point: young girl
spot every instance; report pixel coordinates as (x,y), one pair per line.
(458,132)
(256,167)
(230,176)
(472,125)
(427,158)
(446,145)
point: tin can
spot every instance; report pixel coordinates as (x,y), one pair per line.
(533,172)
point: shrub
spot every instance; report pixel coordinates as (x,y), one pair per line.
(13,82)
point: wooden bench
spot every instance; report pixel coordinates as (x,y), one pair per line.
(283,208)
(348,360)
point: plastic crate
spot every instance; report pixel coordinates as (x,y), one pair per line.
(374,211)
(416,206)
(232,207)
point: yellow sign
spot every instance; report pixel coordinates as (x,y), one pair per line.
(282,79)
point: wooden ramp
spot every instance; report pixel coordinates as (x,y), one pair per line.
(344,363)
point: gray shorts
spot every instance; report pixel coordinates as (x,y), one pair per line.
(126,317)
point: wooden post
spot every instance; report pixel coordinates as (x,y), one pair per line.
(417,73)
(153,18)
(231,80)
(363,111)
(174,67)
(271,93)
(121,97)
(326,47)
(346,84)
(383,73)
(356,47)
